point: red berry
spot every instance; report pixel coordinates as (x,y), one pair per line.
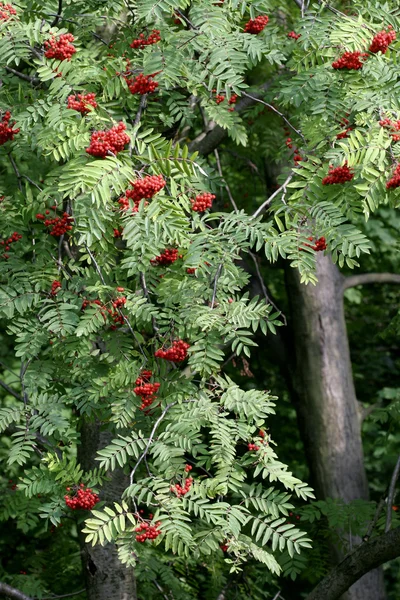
(338,175)
(7,130)
(256,25)
(60,49)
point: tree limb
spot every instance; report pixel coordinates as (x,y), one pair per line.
(363,559)
(10,592)
(267,203)
(28,78)
(365,278)
(392,489)
(10,390)
(58,15)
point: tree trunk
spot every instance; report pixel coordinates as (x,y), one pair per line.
(327,405)
(105,577)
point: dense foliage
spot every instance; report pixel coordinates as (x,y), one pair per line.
(125,275)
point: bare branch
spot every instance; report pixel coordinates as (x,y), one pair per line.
(58,15)
(267,203)
(288,123)
(363,559)
(28,78)
(11,592)
(365,278)
(392,489)
(152,434)
(228,189)
(64,595)
(264,289)
(10,390)
(217,274)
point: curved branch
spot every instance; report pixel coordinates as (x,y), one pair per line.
(365,278)
(365,557)
(10,592)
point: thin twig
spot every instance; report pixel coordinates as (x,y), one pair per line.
(217,274)
(392,489)
(17,173)
(10,390)
(64,595)
(158,586)
(266,204)
(374,521)
(153,431)
(222,177)
(58,15)
(264,289)
(277,112)
(28,78)
(100,274)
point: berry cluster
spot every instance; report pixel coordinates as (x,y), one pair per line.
(6,11)
(145,531)
(117,233)
(253,447)
(142,188)
(81,103)
(60,225)
(176,353)
(142,41)
(344,134)
(219,98)
(6,130)
(169,256)
(294,35)
(182,490)
(319,244)
(142,84)
(112,141)
(256,25)
(145,389)
(394,182)
(191,270)
(55,288)
(60,49)
(350,60)
(14,237)
(83,498)
(393,126)
(382,40)
(202,202)
(289,142)
(115,315)
(338,175)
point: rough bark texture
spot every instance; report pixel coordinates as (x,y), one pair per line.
(327,404)
(366,557)
(105,577)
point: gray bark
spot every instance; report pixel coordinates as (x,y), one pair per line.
(105,577)
(327,404)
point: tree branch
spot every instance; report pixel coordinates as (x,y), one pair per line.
(267,203)
(365,278)
(28,78)
(58,15)
(363,559)
(10,390)
(392,489)
(10,592)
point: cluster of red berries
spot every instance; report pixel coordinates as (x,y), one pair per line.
(83,498)
(6,11)
(112,141)
(176,353)
(142,84)
(145,389)
(256,25)
(182,490)
(169,256)
(224,547)
(343,134)
(338,175)
(319,244)
(142,41)
(350,60)
(117,233)
(202,202)
(219,98)
(59,225)
(81,102)
(382,40)
(14,237)
(394,182)
(294,35)
(393,126)
(191,270)
(55,288)
(145,531)
(114,314)
(142,188)
(253,447)
(60,49)
(6,130)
